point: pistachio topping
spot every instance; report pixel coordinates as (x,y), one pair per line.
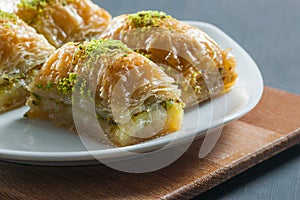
(168,104)
(6,15)
(13,77)
(7,19)
(49,86)
(38,5)
(147,18)
(65,85)
(39,86)
(172,102)
(103,46)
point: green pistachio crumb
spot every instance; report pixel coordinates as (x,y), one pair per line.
(49,86)
(147,18)
(103,46)
(14,78)
(39,86)
(37,5)
(168,104)
(7,15)
(81,46)
(7,26)
(147,55)
(65,85)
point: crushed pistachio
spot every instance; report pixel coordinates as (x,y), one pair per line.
(7,26)
(9,80)
(147,18)
(34,9)
(168,104)
(65,85)
(7,15)
(7,19)
(39,86)
(147,55)
(49,86)
(37,5)
(103,46)
(81,46)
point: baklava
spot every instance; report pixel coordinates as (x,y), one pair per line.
(62,21)
(135,100)
(22,53)
(200,67)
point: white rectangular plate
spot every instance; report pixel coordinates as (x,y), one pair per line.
(38,142)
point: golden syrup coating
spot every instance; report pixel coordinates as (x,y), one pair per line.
(22,52)
(188,54)
(62,21)
(129,90)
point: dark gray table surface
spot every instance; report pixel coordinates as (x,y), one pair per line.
(269,30)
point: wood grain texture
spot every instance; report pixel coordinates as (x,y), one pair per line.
(270,128)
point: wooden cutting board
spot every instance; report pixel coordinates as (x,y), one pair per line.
(270,128)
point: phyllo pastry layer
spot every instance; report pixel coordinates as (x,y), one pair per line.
(188,54)
(62,21)
(22,53)
(134,99)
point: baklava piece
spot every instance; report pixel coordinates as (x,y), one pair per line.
(22,53)
(189,55)
(62,21)
(134,99)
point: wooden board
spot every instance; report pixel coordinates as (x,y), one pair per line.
(270,128)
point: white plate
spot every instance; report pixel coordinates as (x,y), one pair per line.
(32,141)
